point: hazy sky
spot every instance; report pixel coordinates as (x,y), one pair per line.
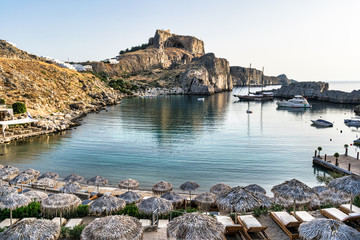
(306,40)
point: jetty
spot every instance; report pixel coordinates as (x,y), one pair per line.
(343,164)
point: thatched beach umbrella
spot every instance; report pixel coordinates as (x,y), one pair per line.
(107,205)
(173,197)
(162,187)
(238,199)
(129,184)
(37,196)
(21,179)
(12,201)
(49,175)
(327,229)
(97,180)
(319,189)
(7,171)
(113,228)
(348,184)
(1,166)
(71,187)
(189,186)
(131,197)
(195,226)
(61,202)
(46,182)
(219,188)
(6,190)
(205,200)
(335,198)
(74,178)
(31,229)
(255,188)
(148,206)
(32,172)
(294,190)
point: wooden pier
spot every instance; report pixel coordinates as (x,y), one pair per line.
(345,164)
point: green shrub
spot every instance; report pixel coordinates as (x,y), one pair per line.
(257,212)
(326,206)
(76,232)
(19,108)
(131,210)
(136,48)
(357,201)
(64,232)
(2,101)
(276,207)
(80,212)
(31,210)
(2,229)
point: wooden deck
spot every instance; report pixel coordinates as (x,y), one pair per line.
(343,161)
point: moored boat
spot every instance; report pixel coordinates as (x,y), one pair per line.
(297,102)
(322,123)
(353,122)
(357,141)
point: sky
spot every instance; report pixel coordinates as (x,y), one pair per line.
(307,40)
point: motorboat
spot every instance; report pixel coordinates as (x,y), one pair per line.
(297,102)
(352,122)
(357,141)
(201,99)
(322,123)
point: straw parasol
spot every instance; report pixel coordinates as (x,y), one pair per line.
(189,186)
(195,226)
(6,190)
(348,184)
(113,228)
(12,201)
(129,184)
(74,178)
(319,189)
(148,206)
(107,204)
(219,188)
(238,199)
(335,198)
(7,171)
(295,190)
(255,188)
(97,180)
(327,229)
(21,178)
(49,175)
(32,229)
(32,172)
(175,198)
(61,202)
(46,182)
(71,187)
(162,187)
(205,200)
(131,197)
(37,196)
(1,166)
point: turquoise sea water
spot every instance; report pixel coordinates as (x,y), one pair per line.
(179,138)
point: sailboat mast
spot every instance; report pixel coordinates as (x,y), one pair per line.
(249,80)
(262,79)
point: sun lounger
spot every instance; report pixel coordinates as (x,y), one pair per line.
(29,218)
(336,214)
(86,202)
(252,226)
(163,223)
(107,194)
(346,208)
(25,190)
(6,222)
(145,222)
(288,223)
(57,220)
(230,226)
(303,216)
(73,223)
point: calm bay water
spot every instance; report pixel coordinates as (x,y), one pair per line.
(179,138)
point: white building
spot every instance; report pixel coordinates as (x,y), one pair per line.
(88,68)
(79,67)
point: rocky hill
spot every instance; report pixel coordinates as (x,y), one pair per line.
(46,88)
(240,77)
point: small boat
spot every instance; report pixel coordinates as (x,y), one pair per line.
(297,102)
(353,122)
(322,123)
(357,141)
(248,111)
(201,99)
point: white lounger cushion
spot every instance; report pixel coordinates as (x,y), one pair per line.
(304,216)
(354,208)
(336,213)
(145,222)
(225,220)
(73,223)
(285,217)
(57,220)
(250,221)
(163,223)
(6,222)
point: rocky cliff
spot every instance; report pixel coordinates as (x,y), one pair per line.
(240,77)
(318,91)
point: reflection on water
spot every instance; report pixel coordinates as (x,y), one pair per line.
(179,138)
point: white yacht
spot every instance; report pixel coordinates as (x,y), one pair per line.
(297,102)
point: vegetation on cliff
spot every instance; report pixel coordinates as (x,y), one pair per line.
(134,49)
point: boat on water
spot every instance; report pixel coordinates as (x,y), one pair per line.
(201,99)
(297,102)
(352,122)
(357,141)
(257,96)
(322,123)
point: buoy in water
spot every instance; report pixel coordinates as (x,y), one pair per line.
(248,111)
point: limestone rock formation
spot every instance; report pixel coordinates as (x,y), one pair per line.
(240,77)
(307,89)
